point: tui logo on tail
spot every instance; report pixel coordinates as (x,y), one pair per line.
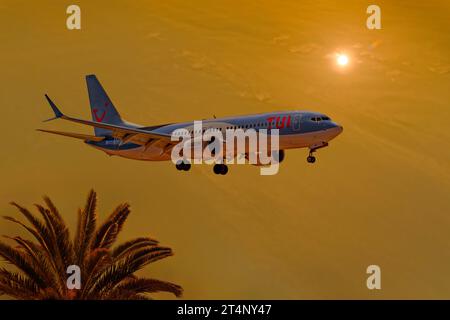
(99,118)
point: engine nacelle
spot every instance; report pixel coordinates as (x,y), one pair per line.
(281,155)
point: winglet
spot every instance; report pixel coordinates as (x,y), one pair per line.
(58,113)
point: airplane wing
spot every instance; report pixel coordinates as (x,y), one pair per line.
(75,135)
(125,134)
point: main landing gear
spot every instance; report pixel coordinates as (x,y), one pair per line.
(220,168)
(183,166)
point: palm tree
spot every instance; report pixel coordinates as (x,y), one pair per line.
(106,272)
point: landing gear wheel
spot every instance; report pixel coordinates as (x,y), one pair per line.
(183,166)
(220,169)
(311,159)
(224,170)
(186,166)
(217,169)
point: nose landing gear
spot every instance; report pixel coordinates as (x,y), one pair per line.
(311,158)
(313,148)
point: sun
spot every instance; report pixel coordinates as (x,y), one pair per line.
(342,59)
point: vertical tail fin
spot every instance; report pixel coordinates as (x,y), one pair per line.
(102,108)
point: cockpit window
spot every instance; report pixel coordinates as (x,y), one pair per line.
(322,118)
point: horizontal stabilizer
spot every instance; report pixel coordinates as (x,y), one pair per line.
(85,137)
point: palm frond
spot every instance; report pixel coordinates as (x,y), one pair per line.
(86,228)
(40,230)
(98,260)
(123,268)
(78,233)
(144,285)
(142,257)
(55,238)
(23,262)
(107,238)
(62,231)
(36,235)
(17,285)
(41,262)
(131,245)
(50,294)
(109,277)
(121,294)
(106,235)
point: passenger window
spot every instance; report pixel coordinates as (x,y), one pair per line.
(296,123)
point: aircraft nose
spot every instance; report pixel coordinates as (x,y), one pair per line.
(338,129)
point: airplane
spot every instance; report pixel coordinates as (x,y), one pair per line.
(115,136)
